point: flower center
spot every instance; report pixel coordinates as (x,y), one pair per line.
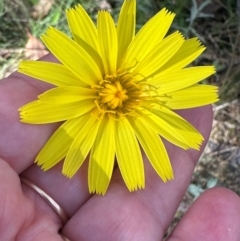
(113,95)
(118,95)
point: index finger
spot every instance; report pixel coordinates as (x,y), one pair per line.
(19,142)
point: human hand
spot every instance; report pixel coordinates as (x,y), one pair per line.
(119,215)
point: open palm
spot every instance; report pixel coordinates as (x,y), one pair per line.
(119,215)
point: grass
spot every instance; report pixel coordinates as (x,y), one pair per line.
(215,23)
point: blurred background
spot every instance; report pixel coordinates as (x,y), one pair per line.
(215,22)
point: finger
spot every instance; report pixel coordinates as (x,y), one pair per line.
(215,215)
(10,193)
(19,142)
(70,194)
(25,216)
(145,214)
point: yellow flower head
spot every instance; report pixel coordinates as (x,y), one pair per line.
(116,91)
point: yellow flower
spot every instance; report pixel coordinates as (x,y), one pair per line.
(116,91)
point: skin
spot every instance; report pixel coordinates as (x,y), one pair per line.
(119,215)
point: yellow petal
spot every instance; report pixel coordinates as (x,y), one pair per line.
(58,144)
(153,147)
(56,74)
(148,37)
(73,56)
(189,51)
(194,96)
(129,157)
(126,27)
(165,129)
(191,134)
(108,41)
(67,94)
(102,158)
(159,55)
(38,112)
(84,32)
(82,26)
(169,82)
(80,147)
